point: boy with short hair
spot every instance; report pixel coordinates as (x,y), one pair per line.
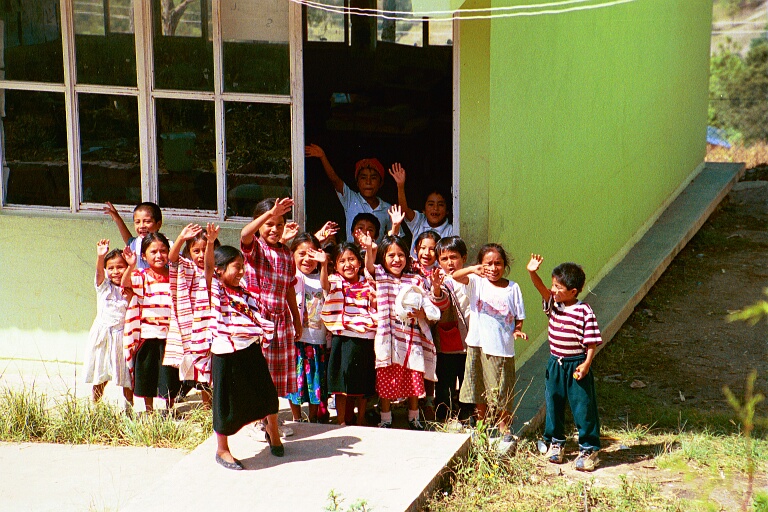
(368,223)
(369,176)
(147,218)
(573,337)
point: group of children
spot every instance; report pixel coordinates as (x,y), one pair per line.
(299,316)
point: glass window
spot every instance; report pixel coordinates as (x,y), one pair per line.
(109,148)
(186,154)
(255,45)
(104,56)
(183,45)
(32,41)
(325,26)
(406,32)
(440,32)
(258,154)
(34,143)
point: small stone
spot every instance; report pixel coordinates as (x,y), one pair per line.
(637,384)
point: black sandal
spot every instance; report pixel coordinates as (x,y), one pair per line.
(237,465)
(277,451)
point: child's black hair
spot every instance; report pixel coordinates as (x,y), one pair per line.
(114,253)
(202,235)
(431,234)
(152,208)
(339,249)
(264,206)
(451,243)
(387,242)
(570,275)
(224,255)
(498,249)
(446,197)
(370,218)
(153,237)
(303,238)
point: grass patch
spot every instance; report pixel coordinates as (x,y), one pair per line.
(27,416)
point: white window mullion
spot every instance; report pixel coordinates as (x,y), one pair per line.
(142,15)
(297,111)
(218,89)
(456,121)
(70,104)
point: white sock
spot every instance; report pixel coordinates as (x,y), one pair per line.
(386,417)
(413,415)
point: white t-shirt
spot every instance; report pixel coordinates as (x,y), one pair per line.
(354,203)
(419,225)
(309,297)
(493,314)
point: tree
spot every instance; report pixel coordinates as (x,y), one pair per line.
(172,15)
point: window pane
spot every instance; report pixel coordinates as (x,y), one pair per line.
(35,169)
(255,36)
(186,154)
(109,148)
(32,39)
(440,32)
(258,154)
(182,45)
(104,57)
(325,26)
(409,33)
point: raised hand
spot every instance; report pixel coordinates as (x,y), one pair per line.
(518,334)
(396,214)
(290,231)
(329,229)
(365,239)
(282,206)
(212,231)
(318,256)
(190,231)
(102,247)
(436,278)
(130,256)
(535,263)
(398,173)
(314,151)
(110,210)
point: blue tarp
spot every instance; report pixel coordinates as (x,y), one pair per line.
(717,137)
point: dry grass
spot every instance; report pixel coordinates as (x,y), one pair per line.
(753,156)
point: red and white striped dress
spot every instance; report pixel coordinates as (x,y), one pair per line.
(270,274)
(349,308)
(193,312)
(236,323)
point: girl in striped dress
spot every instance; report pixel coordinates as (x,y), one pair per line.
(348,315)
(405,353)
(190,299)
(148,322)
(271,273)
(243,390)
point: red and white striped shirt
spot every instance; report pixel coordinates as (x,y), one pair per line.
(237,322)
(571,328)
(349,308)
(193,312)
(153,293)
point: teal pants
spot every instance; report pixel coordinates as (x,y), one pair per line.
(561,387)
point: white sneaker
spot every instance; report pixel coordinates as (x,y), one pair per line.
(284,431)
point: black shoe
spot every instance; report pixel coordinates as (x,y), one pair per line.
(237,465)
(277,451)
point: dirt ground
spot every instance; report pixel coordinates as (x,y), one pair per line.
(679,350)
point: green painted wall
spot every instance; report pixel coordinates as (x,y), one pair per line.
(594,119)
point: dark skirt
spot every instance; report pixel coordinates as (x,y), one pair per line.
(352,366)
(151,378)
(243,391)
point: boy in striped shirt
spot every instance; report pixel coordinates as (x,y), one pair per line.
(573,336)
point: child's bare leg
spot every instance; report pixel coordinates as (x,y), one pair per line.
(272,430)
(413,403)
(385,405)
(296,412)
(361,402)
(222,448)
(482,410)
(505,421)
(98,391)
(149,403)
(341,408)
(313,412)
(205,394)
(128,395)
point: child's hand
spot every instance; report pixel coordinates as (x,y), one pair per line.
(396,214)
(418,314)
(282,206)
(329,229)
(318,256)
(290,231)
(478,269)
(519,335)
(398,173)
(535,263)
(111,210)
(190,231)
(314,151)
(297,328)
(130,256)
(212,231)
(365,239)
(102,247)
(436,278)
(581,371)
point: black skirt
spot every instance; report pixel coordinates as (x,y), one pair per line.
(352,366)
(151,378)
(243,391)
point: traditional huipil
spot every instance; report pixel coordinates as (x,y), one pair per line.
(270,273)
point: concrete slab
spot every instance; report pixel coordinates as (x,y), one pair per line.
(61,478)
(616,295)
(391,469)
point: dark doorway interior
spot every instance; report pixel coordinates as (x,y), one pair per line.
(367,97)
